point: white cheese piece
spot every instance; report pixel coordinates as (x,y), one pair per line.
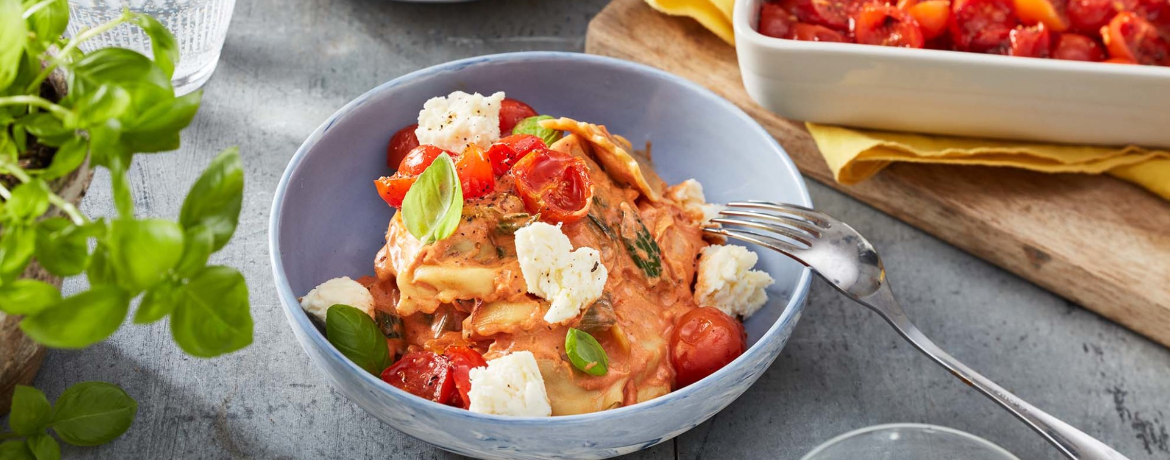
(460,119)
(342,291)
(509,385)
(689,194)
(569,279)
(727,282)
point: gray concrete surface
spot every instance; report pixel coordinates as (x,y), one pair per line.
(288,65)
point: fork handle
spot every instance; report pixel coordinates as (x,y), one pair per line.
(1073,443)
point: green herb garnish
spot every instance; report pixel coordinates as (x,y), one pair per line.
(531,125)
(357,337)
(644,250)
(585,353)
(433,205)
(86,414)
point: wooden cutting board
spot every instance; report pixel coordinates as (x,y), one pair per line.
(1095,240)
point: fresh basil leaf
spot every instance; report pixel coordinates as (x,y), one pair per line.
(29,201)
(81,320)
(143,251)
(15,450)
(432,208)
(13,37)
(48,22)
(198,242)
(62,247)
(30,411)
(215,199)
(27,296)
(44,447)
(17,244)
(68,158)
(158,302)
(212,316)
(93,413)
(101,271)
(120,67)
(102,103)
(357,337)
(162,43)
(48,129)
(585,353)
(531,125)
(9,153)
(156,128)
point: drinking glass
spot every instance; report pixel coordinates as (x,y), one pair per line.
(199,26)
(908,441)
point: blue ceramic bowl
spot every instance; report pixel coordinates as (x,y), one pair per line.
(327,221)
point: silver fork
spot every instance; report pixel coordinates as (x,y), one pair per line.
(841,256)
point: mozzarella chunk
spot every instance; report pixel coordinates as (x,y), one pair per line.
(509,385)
(727,282)
(689,194)
(460,119)
(342,291)
(569,279)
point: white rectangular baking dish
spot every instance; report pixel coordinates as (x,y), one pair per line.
(949,92)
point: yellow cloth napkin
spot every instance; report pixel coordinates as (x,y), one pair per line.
(855,155)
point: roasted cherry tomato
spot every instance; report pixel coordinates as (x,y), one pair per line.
(420,158)
(815,33)
(507,151)
(1130,37)
(833,14)
(1030,41)
(475,173)
(1089,16)
(887,25)
(511,112)
(1052,13)
(982,25)
(704,340)
(1076,47)
(1157,12)
(463,360)
(775,20)
(932,17)
(423,374)
(393,189)
(401,144)
(554,184)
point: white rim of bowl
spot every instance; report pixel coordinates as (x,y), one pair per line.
(921,426)
(295,315)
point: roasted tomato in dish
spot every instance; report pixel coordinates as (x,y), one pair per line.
(1089,16)
(401,144)
(463,360)
(1031,41)
(1052,13)
(833,14)
(512,112)
(932,17)
(982,25)
(704,340)
(815,33)
(776,21)
(1077,47)
(556,185)
(1130,37)
(475,173)
(887,26)
(507,151)
(473,167)
(423,374)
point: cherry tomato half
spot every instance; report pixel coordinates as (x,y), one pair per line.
(815,33)
(982,25)
(1129,36)
(554,184)
(419,159)
(932,17)
(833,14)
(1076,47)
(1089,16)
(775,20)
(401,144)
(511,112)
(507,151)
(1031,41)
(704,340)
(463,360)
(393,189)
(423,374)
(887,25)
(475,173)
(1052,13)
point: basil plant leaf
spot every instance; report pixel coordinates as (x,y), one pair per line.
(212,317)
(70,155)
(586,353)
(105,102)
(62,247)
(30,411)
(531,125)
(162,43)
(93,413)
(27,297)
(158,302)
(48,22)
(142,251)
(44,447)
(17,244)
(198,242)
(357,337)
(120,67)
(13,36)
(157,126)
(28,201)
(81,320)
(215,199)
(48,129)
(15,450)
(432,208)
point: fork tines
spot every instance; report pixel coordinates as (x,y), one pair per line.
(784,227)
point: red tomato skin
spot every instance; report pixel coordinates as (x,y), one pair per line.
(775,20)
(1032,41)
(982,26)
(401,144)
(475,173)
(463,360)
(833,14)
(932,17)
(511,113)
(423,374)
(1089,16)
(507,151)
(1052,13)
(1077,47)
(815,33)
(703,341)
(420,158)
(886,25)
(555,185)
(1130,37)
(393,189)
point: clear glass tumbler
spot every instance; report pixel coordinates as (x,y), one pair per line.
(908,441)
(199,26)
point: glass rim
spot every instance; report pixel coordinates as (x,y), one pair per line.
(886,426)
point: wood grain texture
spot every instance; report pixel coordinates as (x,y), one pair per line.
(1095,240)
